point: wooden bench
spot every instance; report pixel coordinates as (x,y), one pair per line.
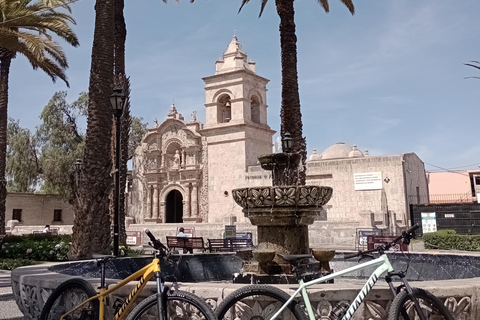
(229,244)
(186,243)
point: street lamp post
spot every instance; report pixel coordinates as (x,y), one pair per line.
(117,99)
(287,143)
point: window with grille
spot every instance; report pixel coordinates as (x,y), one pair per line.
(17,215)
(57,215)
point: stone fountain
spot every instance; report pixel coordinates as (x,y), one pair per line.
(282,214)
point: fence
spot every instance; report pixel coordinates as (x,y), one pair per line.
(464,218)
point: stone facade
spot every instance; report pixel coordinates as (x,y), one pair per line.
(400,179)
(38,209)
(200,164)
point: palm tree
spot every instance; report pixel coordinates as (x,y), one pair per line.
(290,113)
(91,226)
(120,38)
(25,28)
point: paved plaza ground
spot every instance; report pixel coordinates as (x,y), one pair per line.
(8,307)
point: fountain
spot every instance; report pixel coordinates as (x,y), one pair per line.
(282,214)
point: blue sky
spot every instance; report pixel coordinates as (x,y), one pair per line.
(389,79)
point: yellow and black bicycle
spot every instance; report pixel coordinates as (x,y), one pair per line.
(76,299)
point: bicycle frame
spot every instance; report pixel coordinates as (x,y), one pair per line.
(145,275)
(383,266)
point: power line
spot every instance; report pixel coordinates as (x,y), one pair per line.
(448,170)
(39,11)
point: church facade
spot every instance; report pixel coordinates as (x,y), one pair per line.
(185,170)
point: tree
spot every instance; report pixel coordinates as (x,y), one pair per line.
(61,142)
(120,38)
(474,64)
(25,28)
(290,113)
(22,163)
(91,227)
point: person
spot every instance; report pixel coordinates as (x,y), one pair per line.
(46,229)
(181,232)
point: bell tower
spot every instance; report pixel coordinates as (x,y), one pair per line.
(236,129)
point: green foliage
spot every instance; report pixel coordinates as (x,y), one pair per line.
(47,156)
(62,142)
(22,169)
(37,247)
(137,130)
(10,264)
(449,240)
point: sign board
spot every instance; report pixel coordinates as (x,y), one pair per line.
(368,181)
(376,241)
(134,238)
(363,234)
(429,222)
(230,231)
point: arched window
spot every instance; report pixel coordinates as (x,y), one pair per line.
(255,106)
(224,109)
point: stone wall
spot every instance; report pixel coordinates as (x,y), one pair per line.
(386,206)
(38,209)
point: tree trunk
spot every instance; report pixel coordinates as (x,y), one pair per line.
(120,38)
(4,71)
(290,113)
(91,230)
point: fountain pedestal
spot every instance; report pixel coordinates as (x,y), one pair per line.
(282,214)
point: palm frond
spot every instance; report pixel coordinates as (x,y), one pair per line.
(472,65)
(264,3)
(244,2)
(324,4)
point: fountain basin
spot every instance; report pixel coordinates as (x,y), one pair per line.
(32,284)
(274,161)
(282,196)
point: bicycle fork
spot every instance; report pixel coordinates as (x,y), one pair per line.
(161,296)
(409,290)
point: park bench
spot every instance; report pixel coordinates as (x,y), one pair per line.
(229,244)
(53,231)
(186,243)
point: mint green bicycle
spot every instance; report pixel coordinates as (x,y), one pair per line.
(269,303)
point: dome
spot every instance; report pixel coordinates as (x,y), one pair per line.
(355,153)
(338,151)
(315,156)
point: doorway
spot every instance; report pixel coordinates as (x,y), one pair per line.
(174,207)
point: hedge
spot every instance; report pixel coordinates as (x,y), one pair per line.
(449,240)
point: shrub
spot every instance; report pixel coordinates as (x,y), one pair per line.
(39,247)
(449,240)
(10,264)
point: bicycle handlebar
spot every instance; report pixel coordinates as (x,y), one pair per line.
(405,235)
(156,243)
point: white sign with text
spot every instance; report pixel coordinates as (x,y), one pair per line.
(368,181)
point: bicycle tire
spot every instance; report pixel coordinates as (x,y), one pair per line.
(66,296)
(180,305)
(260,301)
(403,309)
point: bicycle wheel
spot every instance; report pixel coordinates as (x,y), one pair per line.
(258,302)
(403,307)
(181,305)
(68,295)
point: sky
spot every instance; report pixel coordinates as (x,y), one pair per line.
(390,79)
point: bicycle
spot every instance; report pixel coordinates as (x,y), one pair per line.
(272,303)
(76,298)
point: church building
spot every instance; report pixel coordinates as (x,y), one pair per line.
(185,170)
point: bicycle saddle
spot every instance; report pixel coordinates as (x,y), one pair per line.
(293,258)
